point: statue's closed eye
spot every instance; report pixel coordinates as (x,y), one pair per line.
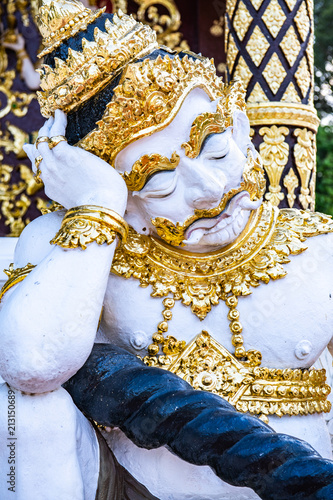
(147,166)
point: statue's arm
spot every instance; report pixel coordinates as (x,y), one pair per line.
(49,320)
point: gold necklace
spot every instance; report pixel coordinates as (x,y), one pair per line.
(202,280)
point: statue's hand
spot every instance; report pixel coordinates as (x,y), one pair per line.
(74,177)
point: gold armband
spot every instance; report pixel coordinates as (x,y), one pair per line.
(88,223)
(15,276)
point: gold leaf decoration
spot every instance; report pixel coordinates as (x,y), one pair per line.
(231,7)
(290,45)
(290,181)
(257,46)
(275,153)
(257,3)
(302,21)
(147,99)
(257,257)
(257,95)
(243,72)
(274,17)
(303,76)
(305,159)
(291,94)
(242,20)
(232,52)
(274,73)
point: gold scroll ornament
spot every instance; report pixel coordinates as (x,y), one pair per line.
(274,152)
(14,196)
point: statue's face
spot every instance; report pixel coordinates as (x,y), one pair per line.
(196,183)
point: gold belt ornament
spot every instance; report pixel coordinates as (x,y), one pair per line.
(207,365)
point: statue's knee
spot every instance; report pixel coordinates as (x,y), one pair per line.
(35,415)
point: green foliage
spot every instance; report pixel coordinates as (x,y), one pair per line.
(324,188)
(323,56)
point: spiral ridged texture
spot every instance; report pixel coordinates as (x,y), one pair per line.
(156,408)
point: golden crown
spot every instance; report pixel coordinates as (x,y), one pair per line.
(61,19)
(148,97)
(83,74)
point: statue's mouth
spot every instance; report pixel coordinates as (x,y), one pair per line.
(232,213)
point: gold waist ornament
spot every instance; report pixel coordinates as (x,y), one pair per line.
(207,365)
(201,281)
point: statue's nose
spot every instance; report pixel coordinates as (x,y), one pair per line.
(205,188)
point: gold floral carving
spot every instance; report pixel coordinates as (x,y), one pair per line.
(116,5)
(303,76)
(200,280)
(305,158)
(197,280)
(274,73)
(84,73)
(274,17)
(147,99)
(166,26)
(290,181)
(275,153)
(243,72)
(256,3)
(290,46)
(291,94)
(275,113)
(291,4)
(232,52)
(206,365)
(60,20)
(230,7)
(302,21)
(242,20)
(14,197)
(257,95)
(16,102)
(257,46)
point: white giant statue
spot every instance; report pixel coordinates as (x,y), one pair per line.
(156,179)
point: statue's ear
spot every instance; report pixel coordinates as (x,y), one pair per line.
(241,131)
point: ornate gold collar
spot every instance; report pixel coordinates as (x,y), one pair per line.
(201,280)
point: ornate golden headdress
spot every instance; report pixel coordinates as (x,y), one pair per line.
(143,85)
(61,19)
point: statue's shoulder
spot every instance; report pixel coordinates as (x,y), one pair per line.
(34,242)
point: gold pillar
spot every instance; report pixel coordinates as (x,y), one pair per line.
(269,45)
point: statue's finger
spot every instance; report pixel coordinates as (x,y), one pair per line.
(32,153)
(44,131)
(59,124)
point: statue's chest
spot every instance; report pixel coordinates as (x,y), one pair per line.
(288,320)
